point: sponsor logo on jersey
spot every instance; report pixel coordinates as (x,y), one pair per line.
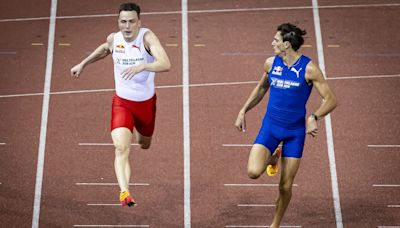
(283,84)
(129,62)
(119,48)
(277,70)
(273,81)
(295,71)
(135,46)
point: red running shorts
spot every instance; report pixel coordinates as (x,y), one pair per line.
(134,114)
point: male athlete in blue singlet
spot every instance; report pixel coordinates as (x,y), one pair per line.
(290,77)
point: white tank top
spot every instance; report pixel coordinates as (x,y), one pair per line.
(127,54)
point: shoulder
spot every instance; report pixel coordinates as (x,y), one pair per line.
(110,40)
(313,72)
(149,35)
(151,40)
(268,63)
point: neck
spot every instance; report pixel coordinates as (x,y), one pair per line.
(290,57)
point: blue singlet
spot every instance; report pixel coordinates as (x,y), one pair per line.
(284,120)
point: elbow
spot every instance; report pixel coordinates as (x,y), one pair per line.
(330,102)
(163,66)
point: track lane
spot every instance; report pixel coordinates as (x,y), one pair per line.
(368,111)
(213,126)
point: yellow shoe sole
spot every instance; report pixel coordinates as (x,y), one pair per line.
(272,170)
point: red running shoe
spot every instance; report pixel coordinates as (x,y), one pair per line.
(126,199)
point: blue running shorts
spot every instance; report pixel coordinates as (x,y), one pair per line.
(270,135)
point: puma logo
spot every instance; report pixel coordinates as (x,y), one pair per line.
(135,46)
(297,72)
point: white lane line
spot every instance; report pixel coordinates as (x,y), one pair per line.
(102,144)
(237,145)
(169,86)
(111,226)
(110,184)
(85,16)
(246,54)
(186,117)
(251,9)
(251,226)
(383,146)
(83,91)
(386,185)
(242,145)
(21,95)
(328,123)
(256,205)
(364,77)
(2,144)
(194,85)
(191,85)
(398,206)
(45,112)
(359,6)
(25,19)
(114,15)
(255,185)
(222,84)
(210,11)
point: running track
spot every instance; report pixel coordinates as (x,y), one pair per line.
(56,166)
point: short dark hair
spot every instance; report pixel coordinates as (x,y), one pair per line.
(130,6)
(292,34)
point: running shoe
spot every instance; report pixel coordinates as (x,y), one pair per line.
(272,170)
(126,199)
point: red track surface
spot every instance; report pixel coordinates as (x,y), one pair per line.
(233,47)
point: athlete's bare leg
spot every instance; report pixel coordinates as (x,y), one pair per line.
(122,138)
(257,164)
(289,170)
(259,159)
(143,141)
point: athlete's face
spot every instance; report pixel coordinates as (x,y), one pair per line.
(129,24)
(278,45)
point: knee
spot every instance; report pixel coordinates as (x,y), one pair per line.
(253,174)
(285,187)
(121,149)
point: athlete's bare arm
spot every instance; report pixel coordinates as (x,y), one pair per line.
(99,53)
(256,95)
(161,61)
(314,75)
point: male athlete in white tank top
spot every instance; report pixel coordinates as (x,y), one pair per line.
(134,102)
(127,54)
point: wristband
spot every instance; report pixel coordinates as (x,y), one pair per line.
(315,117)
